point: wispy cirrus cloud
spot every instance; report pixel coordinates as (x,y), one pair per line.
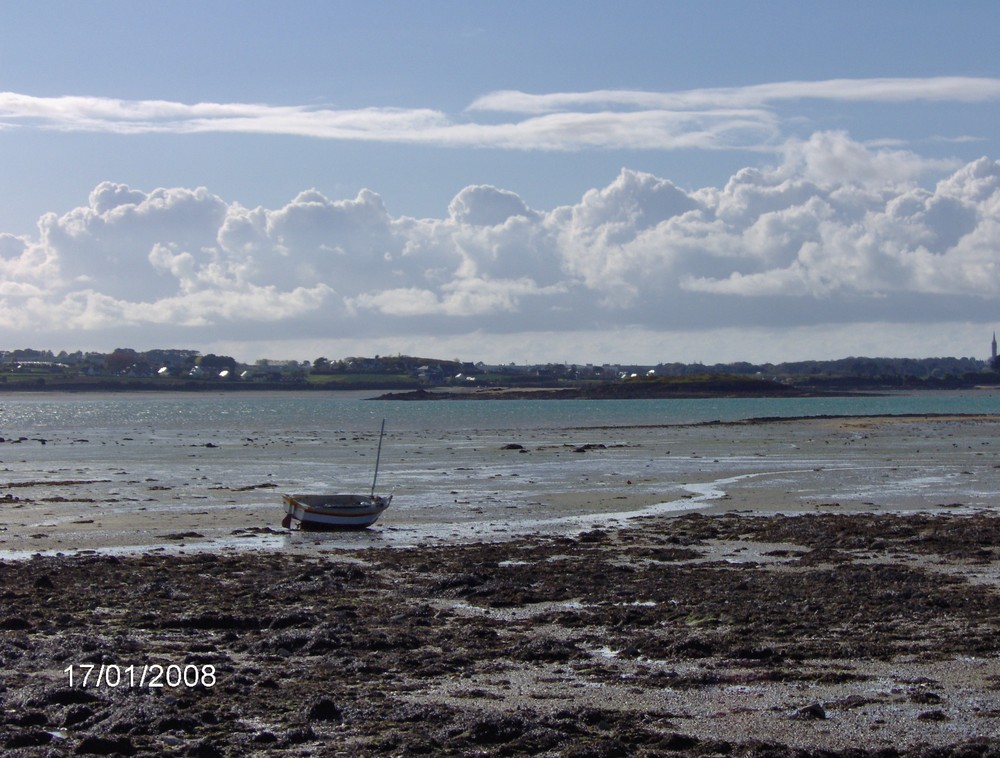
(707,119)
(75,113)
(659,129)
(888,90)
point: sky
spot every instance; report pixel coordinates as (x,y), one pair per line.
(508,182)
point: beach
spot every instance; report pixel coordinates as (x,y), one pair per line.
(182,490)
(781,587)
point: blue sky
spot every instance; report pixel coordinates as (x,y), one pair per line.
(583,182)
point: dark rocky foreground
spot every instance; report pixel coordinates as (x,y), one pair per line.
(609,644)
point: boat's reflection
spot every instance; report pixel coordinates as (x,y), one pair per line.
(345,538)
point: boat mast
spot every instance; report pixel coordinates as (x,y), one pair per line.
(378,456)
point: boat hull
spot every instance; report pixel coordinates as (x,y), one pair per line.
(332,512)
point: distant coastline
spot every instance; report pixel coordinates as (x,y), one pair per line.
(403,377)
(629,390)
(652,388)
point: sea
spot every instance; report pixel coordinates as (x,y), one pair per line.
(456,468)
(200,413)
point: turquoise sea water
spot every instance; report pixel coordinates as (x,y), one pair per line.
(355,412)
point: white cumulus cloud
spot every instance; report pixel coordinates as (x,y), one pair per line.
(837,232)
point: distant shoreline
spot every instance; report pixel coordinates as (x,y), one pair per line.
(154,386)
(626,391)
(659,388)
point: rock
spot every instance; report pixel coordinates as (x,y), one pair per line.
(324,709)
(300,735)
(924,697)
(15,624)
(33,738)
(299,618)
(204,750)
(495,730)
(933,716)
(77,714)
(811,712)
(177,724)
(677,741)
(92,745)
(67,696)
(30,718)
(547,649)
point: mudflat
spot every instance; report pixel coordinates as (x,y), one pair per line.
(141,491)
(834,590)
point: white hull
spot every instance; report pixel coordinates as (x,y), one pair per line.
(334,511)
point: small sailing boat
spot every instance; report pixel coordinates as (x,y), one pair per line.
(342,511)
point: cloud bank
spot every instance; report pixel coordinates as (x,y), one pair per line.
(836,233)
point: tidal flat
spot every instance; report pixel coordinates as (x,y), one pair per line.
(142,489)
(788,587)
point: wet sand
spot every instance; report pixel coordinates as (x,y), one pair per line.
(141,492)
(815,601)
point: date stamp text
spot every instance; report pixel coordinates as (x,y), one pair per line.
(152,676)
